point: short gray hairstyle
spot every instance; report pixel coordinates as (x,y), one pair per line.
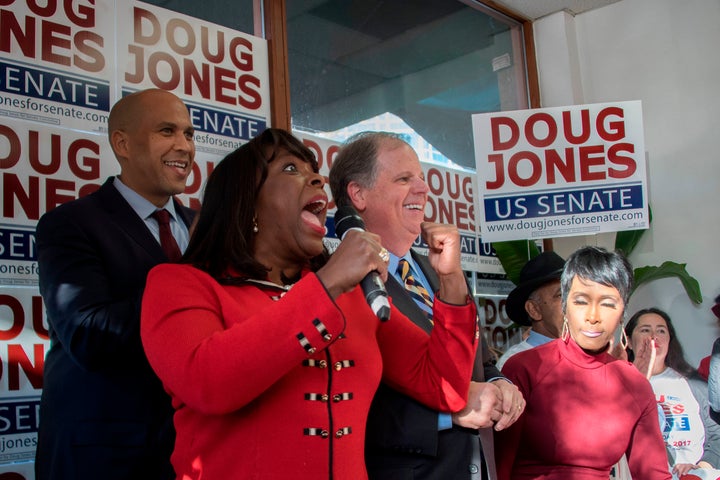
(597,264)
(357,162)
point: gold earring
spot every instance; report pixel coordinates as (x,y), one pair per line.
(623,338)
(565,333)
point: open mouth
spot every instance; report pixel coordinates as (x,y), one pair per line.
(316,206)
(312,214)
(414,206)
(177,164)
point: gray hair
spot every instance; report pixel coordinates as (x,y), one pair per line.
(611,269)
(357,162)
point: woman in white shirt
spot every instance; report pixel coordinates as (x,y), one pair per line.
(691,437)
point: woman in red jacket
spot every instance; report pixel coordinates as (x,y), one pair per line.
(268,347)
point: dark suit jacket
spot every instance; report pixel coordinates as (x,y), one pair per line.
(403,441)
(103,413)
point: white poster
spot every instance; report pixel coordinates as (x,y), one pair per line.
(221,74)
(562,171)
(56,61)
(24,342)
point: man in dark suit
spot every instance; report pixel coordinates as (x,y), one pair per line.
(103,413)
(380,175)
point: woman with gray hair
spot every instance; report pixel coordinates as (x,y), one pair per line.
(585,408)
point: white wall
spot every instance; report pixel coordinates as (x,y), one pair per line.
(666,54)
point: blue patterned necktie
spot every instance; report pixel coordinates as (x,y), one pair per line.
(417,291)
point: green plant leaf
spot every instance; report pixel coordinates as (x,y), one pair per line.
(627,240)
(666,270)
(513,256)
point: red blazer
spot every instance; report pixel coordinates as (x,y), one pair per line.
(266,388)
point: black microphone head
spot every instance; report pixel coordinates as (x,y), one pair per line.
(346,218)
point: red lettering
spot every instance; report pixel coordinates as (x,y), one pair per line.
(331,154)
(154,62)
(24,36)
(78,161)
(187,31)
(18,360)
(591,156)
(197,178)
(495,124)
(54,195)
(82,41)
(193,78)
(35,158)
(315,148)
(50,40)
(13,155)
(490,310)
(37,318)
(554,163)
(13,189)
(514,169)
(249,97)
(584,134)
(244,60)
(434,181)
(612,131)
(143,17)
(84,18)
(224,80)
(218,56)
(497,159)
(18,317)
(615,158)
(530,134)
(47,11)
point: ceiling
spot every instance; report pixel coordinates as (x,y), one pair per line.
(534,9)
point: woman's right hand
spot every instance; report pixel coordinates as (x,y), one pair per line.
(645,357)
(356,256)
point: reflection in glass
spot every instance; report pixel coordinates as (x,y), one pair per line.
(431,64)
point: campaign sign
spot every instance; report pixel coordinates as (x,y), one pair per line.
(562,171)
(19,419)
(41,167)
(24,341)
(222,75)
(55,61)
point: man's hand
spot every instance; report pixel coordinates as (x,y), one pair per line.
(513,404)
(444,256)
(483,409)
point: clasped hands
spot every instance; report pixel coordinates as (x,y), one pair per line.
(496,404)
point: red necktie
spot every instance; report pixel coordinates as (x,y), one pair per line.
(167,241)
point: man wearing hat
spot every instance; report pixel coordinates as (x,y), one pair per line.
(536,302)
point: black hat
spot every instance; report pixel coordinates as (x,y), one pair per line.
(544,268)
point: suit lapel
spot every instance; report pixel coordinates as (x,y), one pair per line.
(123,215)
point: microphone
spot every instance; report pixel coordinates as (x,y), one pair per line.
(346,219)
